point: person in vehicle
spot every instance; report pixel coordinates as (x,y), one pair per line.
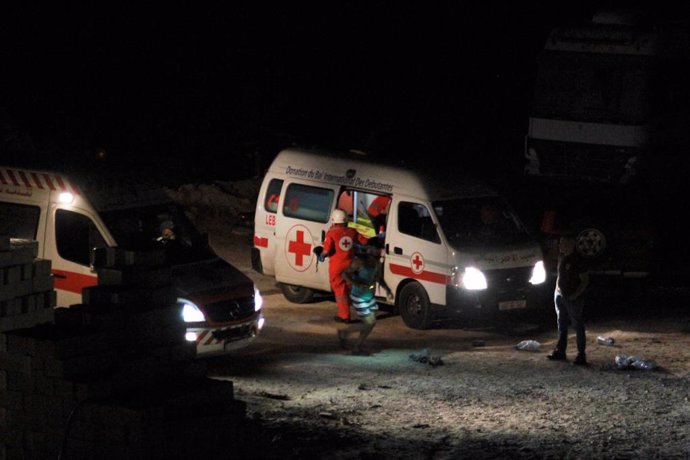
(167,232)
(378,211)
(362,275)
(339,246)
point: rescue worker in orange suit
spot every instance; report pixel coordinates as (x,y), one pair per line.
(378,210)
(339,246)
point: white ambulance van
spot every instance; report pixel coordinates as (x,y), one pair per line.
(453,246)
(70,216)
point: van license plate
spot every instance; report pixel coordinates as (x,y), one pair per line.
(512,304)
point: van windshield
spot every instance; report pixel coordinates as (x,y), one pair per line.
(159,226)
(479,222)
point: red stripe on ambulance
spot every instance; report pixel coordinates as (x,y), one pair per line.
(37,180)
(31,179)
(71,281)
(24,179)
(10,174)
(49,182)
(432,277)
(260,241)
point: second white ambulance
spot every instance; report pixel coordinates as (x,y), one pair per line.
(452,245)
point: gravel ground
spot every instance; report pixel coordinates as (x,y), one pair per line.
(463,390)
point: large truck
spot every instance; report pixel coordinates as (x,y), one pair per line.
(608,140)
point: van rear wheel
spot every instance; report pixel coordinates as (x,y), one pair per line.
(414,306)
(297,294)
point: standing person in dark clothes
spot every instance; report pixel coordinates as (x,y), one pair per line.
(571,284)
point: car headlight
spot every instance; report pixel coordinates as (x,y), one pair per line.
(538,273)
(190,312)
(258,300)
(471,279)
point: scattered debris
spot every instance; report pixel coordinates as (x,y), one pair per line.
(425,356)
(635,362)
(266,394)
(528,345)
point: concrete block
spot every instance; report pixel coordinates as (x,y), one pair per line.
(42,267)
(27,271)
(24,244)
(7,292)
(23,255)
(42,283)
(15,362)
(5,259)
(28,303)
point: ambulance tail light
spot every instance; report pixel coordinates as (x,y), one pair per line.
(538,273)
(470,278)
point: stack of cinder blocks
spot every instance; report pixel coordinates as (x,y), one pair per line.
(114,377)
(26,286)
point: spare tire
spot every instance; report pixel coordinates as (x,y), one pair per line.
(592,241)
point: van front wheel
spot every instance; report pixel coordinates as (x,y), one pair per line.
(414,306)
(297,294)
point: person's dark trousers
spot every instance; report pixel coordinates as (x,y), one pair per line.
(570,312)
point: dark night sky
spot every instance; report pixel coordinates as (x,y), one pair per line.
(216,83)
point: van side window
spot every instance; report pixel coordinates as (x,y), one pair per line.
(75,236)
(414,220)
(272,195)
(308,203)
(19,220)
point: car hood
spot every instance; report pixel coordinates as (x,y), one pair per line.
(211,278)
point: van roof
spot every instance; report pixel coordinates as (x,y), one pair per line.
(359,171)
(104,190)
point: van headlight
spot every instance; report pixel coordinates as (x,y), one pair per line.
(538,273)
(258,300)
(471,278)
(190,312)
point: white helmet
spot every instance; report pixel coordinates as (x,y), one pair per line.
(338,216)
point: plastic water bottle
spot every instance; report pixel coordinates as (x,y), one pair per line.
(608,341)
(528,345)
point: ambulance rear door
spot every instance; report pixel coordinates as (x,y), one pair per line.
(265,219)
(301,224)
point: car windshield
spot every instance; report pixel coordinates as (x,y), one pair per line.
(160,226)
(479,222)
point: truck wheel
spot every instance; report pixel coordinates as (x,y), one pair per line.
(297,294)
(414,306)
